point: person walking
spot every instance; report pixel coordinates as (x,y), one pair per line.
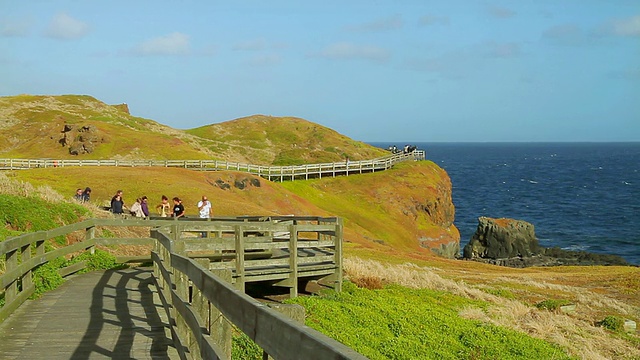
(117,205)
(204,207)
(136,208)
(120,199)
(145,206)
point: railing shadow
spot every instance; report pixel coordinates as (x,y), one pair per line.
(123,304)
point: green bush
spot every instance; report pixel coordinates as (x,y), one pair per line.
(402,323)
(612,323)
(242,347)
(100,260)
(552,304)
(46,277)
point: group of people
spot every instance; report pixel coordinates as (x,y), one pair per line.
(407,149)
(140,207)
(83,195)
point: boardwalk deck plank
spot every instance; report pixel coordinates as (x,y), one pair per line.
(99,315)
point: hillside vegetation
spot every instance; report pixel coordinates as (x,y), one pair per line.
(284,141)
(36,126)
(473,310)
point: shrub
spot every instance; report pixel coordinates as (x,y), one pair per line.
(612,323)
(552,304)
(100,260)
(242,347)
(46,277)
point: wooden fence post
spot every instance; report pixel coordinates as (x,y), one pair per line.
(89,234)
(27,278)
(239,234)
(11,292)
(338,254)
(293,260)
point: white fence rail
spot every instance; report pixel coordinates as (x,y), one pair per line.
(281,173)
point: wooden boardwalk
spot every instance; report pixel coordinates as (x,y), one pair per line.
(99,315)
(120,314)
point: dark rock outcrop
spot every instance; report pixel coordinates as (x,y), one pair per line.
(240,183)
(509,242)
(80,139)
(122,107)
(502,238)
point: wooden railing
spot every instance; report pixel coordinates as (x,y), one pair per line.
(268,172)
(203,295)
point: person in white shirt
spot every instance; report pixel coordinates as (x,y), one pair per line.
(204,206)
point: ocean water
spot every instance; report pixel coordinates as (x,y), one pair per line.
(579,196)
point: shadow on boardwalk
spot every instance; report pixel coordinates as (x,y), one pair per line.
(108,314)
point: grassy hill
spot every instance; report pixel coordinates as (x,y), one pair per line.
(283,141)
(33,126)
(367,202)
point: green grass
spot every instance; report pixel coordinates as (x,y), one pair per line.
(401,323)
(27,214)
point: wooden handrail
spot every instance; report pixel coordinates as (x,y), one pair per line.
(174,271)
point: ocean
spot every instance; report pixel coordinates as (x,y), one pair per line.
(579,196)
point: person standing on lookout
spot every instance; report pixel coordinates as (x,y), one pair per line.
(204,206)
(164,209)
(178,208)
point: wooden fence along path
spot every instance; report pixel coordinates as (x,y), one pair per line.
(198,284)
(272,173)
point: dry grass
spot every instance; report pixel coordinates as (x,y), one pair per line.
(22,188)
(578,335)
(45,192)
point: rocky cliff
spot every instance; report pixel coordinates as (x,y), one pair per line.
(406,208)
(513,243)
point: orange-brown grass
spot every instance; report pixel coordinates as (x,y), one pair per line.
(572,331)
(32,125)
(397,208)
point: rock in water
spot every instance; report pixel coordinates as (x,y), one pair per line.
(513,243)
(502,239)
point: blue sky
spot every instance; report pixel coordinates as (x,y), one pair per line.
(373,70)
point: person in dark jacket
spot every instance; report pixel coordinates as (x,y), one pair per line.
(78,196)
(145,206)
(178,208)
(86,195)
(117,204)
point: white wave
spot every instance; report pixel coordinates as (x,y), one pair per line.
(576,247)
